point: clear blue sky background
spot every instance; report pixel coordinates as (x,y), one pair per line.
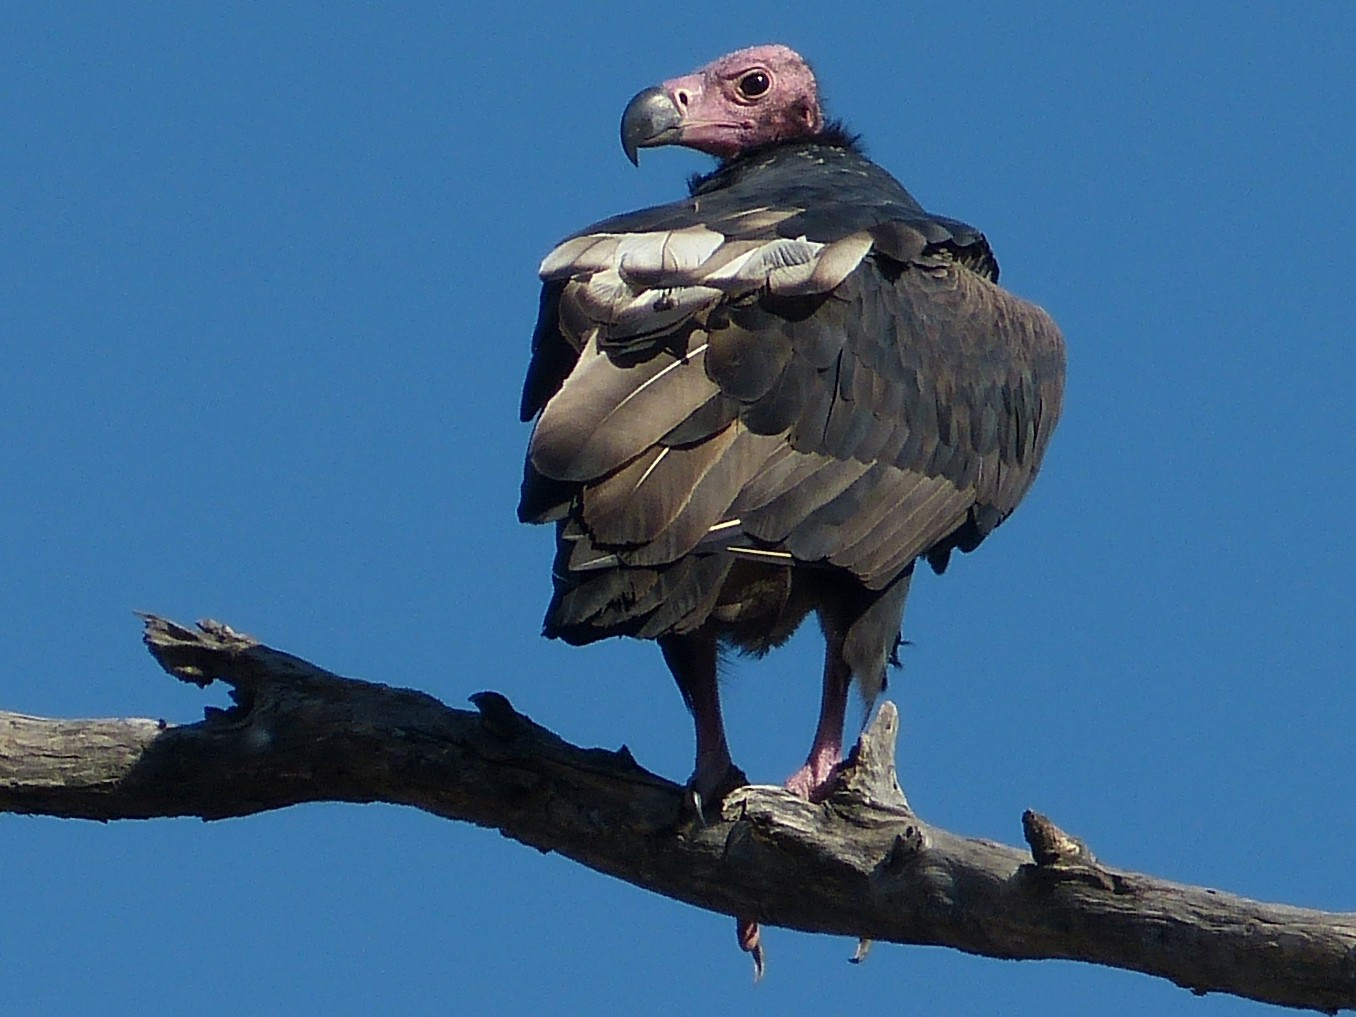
(266,289)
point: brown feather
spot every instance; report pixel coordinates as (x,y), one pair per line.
(607,414)
(707,500)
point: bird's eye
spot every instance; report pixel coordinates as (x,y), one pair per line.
(754,84)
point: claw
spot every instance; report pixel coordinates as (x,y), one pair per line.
(703,789)
(693,800)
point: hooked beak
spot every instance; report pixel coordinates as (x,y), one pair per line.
(651,119)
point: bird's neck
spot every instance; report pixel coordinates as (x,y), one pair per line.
(832,135)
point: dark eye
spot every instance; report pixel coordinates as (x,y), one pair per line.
(754,84)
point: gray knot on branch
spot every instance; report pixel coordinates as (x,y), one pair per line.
(868,774)
(199,656)
(1052,846)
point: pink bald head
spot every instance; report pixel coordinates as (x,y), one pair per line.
(741,101)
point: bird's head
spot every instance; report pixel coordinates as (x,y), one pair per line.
(734,104)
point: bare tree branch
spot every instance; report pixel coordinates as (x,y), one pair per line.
(861,864)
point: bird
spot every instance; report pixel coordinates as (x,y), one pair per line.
(772,398)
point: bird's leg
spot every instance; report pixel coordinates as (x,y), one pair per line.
(813,780)
(692,659)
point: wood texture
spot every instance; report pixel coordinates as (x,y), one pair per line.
(862,864)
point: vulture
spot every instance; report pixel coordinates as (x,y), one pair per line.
(772,398)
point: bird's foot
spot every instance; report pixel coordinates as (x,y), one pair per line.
(715,777)
(709,785)
(750,941)
(815,780)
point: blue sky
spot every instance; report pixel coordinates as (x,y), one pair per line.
(267,280)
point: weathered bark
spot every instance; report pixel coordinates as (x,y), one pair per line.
(861,864)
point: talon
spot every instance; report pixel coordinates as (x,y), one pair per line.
(703,789)
(693,800)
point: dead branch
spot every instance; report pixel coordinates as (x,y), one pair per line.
(861,864)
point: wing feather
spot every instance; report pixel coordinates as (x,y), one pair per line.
(796,364)
(708,500)
(640,501)
(608,412)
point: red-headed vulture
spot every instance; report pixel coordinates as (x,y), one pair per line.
(771,398)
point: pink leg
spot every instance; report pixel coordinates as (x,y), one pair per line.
(692,659)
(814,780)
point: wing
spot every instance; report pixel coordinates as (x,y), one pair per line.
(800,369)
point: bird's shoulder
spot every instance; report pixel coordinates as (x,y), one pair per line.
(789,221)
(813,191)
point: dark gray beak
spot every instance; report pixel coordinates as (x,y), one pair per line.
(651,119)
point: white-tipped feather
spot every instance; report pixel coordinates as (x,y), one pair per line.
(640,283)
(837,261)
(650,259)
(608,300)
(763,263)
(580,256)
